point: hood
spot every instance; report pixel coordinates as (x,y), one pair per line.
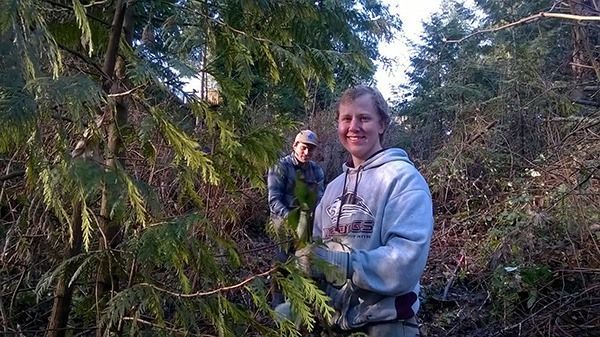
(379,158)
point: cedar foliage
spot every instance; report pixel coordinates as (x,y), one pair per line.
(505,127)
(125,197)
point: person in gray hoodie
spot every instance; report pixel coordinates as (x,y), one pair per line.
(375,223)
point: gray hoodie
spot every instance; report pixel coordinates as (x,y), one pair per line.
(385,224)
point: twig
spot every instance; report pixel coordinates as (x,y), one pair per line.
(529,19)
(528,317)
(4,316)
(210,292)
(57,4)
(124,93)
(579,270)
(485,301)
(581,183)
(154,324)
(258,249)
(12,175)
(562,305)
(452,278)
(14,295)
(482,132)
(86,60)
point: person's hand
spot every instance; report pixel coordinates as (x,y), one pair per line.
(302,230)
(334,265)
(304,261)
(321,262)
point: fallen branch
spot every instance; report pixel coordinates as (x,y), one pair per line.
(453,277)
(529,19)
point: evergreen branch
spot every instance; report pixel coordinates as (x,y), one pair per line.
(215,20)
(84,25)
(136,200)
(185,147)
(210,292)
(527,20)
(240,32)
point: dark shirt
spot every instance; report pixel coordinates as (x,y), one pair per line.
(281,182)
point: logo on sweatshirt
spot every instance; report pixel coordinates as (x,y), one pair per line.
(349,215)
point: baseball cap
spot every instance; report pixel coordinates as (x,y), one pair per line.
(307,137)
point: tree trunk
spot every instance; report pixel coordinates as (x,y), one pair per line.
(112,50)
(583,56)
(63,292)
(107,280)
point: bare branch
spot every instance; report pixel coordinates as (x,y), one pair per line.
(210,292)
(125,93)
(85,60)
(12,175)
(57,4)
(527,20)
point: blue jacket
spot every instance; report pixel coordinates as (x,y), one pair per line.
(281,182)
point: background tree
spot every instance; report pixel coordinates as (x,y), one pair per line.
(505,125)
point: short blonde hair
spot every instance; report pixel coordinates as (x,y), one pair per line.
(351,94)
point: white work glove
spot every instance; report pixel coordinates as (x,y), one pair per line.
(320,262)
(302,230)
(283,311)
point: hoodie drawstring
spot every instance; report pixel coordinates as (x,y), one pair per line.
(343,196)
(337,221)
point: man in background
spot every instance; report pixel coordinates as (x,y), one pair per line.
(282,180)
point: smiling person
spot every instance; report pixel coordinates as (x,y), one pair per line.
(375,221)
(281,182)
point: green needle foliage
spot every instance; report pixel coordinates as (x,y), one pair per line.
(143,189)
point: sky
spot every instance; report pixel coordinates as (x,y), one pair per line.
(412,13)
